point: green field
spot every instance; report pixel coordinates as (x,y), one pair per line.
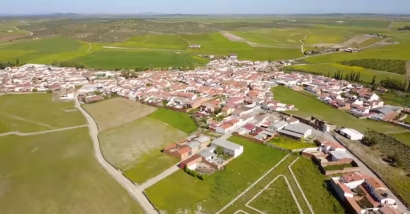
(33,117)
(395,99)
(366,75)
(308,107)
(131,59)
(405,136)
(57,173)
(181,191)
(178,120)
(155,41)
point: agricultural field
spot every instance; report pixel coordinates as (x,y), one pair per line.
(57,173)
(116,112)
(290,144)
(43,50)
(178,120)
(130,59)
(31,118)
(330,69)
(308,107)
(180,191)
(136,146)
(156,42)
(396,98)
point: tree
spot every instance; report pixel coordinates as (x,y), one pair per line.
(219,150)
(17,62)
(34,90)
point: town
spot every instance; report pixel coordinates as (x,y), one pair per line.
(231,97)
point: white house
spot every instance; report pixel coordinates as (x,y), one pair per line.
(231,148)
(351,134)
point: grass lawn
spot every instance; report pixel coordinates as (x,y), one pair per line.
(115,58)
(26,113)
(332,68)
(57,173)
(116,112)
(182,191)
(287,143)
(137,143)
(403,137)
(179,120)
(308,107)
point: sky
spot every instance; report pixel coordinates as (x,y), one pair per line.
(204,6)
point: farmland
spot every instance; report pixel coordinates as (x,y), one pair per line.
(330,69)
(308,107)
(57,176)
(31,118)
(116,112)
(178,120)
(139,142)
(54,172)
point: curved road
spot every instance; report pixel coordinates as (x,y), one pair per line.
(132,189)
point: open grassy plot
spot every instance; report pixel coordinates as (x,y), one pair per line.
(308,106)
(318,196)
(288,143)
(394,98)
(366,75)
(284,35)
(57,173)
(116,58)
(327,36)
(156,41)
(403,137)
(179,120)
(116,112)
(125,145)
(276,199)
(314,184)
(36,112)
(181,191)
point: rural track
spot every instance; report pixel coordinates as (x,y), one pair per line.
(42,132)
(159,177)
(28,121)
(303,42)
(154,49)
(31,33)
(135,191)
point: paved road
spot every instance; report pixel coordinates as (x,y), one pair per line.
(366,170)
(132,189)
(43,132)
(159,177)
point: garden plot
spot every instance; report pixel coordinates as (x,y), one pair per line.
(116,112)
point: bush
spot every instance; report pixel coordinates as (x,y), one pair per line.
(196,174)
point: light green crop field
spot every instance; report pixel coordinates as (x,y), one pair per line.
(328,35)
(284,35)
(57,173)
(308,106)
(399,24)
(331,68)
(131,59)
(405,136)
(156,41)
(26,113)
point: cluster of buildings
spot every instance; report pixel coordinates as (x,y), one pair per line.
(360,193)
(359,101)
(200,154)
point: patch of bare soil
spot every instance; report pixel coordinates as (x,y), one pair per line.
(355,40)
(232,37)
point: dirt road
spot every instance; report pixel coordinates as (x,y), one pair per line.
(159,177)
(131,188)
(154,49)
(43,132)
